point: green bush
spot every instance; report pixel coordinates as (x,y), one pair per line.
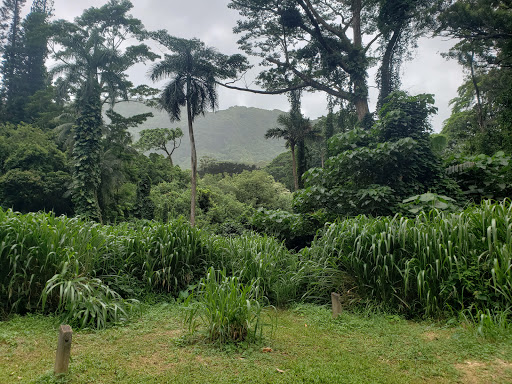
(130,258)
(481,176)
(428,201)
(435,264)
(33,248)
(166,257)
(297,230)
(370,171)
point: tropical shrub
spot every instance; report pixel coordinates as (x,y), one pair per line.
(372,171)
(428,201)
(253,188)
(297,230)
(85,301)
(481,176)
(33,171)
(166,257)
(127,259)
(33,247)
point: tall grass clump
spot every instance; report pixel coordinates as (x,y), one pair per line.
(84,301)
(110,264)
(229,309)
(165,257)
(259,258)
(318,274)
(33,248)
(431,265)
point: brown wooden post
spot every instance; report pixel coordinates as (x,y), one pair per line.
(336,305)
(63,349)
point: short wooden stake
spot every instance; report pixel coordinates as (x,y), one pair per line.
(336,305)
(63,349)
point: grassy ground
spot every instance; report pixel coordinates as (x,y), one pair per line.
(306,347)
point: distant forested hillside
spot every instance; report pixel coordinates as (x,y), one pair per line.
(234,134)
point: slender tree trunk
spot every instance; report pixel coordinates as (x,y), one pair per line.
(478,97)
(168,155)
(329,127)
(193,163)
(356,23)
(386,69)
(301,161)
(359,74)
(294,168)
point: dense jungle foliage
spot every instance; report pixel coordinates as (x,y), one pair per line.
(372,205)
(436,264)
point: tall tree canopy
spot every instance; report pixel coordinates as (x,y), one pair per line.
(94,56)
(12,54)
(481,120)
(36,35)
(327,45)
(160,138)
(24,44)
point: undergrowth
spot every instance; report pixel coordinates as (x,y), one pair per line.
(436,265)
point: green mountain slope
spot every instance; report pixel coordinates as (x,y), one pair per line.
(234,134)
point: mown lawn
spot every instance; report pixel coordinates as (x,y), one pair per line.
(307,346)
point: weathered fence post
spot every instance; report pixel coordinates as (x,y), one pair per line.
(63,349)
(336,305)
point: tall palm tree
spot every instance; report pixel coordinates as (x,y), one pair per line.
(294,130)
(194,70)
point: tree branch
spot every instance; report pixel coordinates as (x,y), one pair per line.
(371,42)
(261,92)
(308,81)
(338,32)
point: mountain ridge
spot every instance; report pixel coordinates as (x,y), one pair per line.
(233,134)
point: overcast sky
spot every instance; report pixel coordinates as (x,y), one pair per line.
(212,22)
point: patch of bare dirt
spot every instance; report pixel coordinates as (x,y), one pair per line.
(436,335)
(156,363)
(431,336)
(476,372)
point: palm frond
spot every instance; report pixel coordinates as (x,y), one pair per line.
(276,133)
(173,98)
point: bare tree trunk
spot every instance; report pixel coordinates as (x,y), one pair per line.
(193,160)
(169,156)
(294,168)
(386,69)
(359,76)
(478,97)
(356,23)
(362,108)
